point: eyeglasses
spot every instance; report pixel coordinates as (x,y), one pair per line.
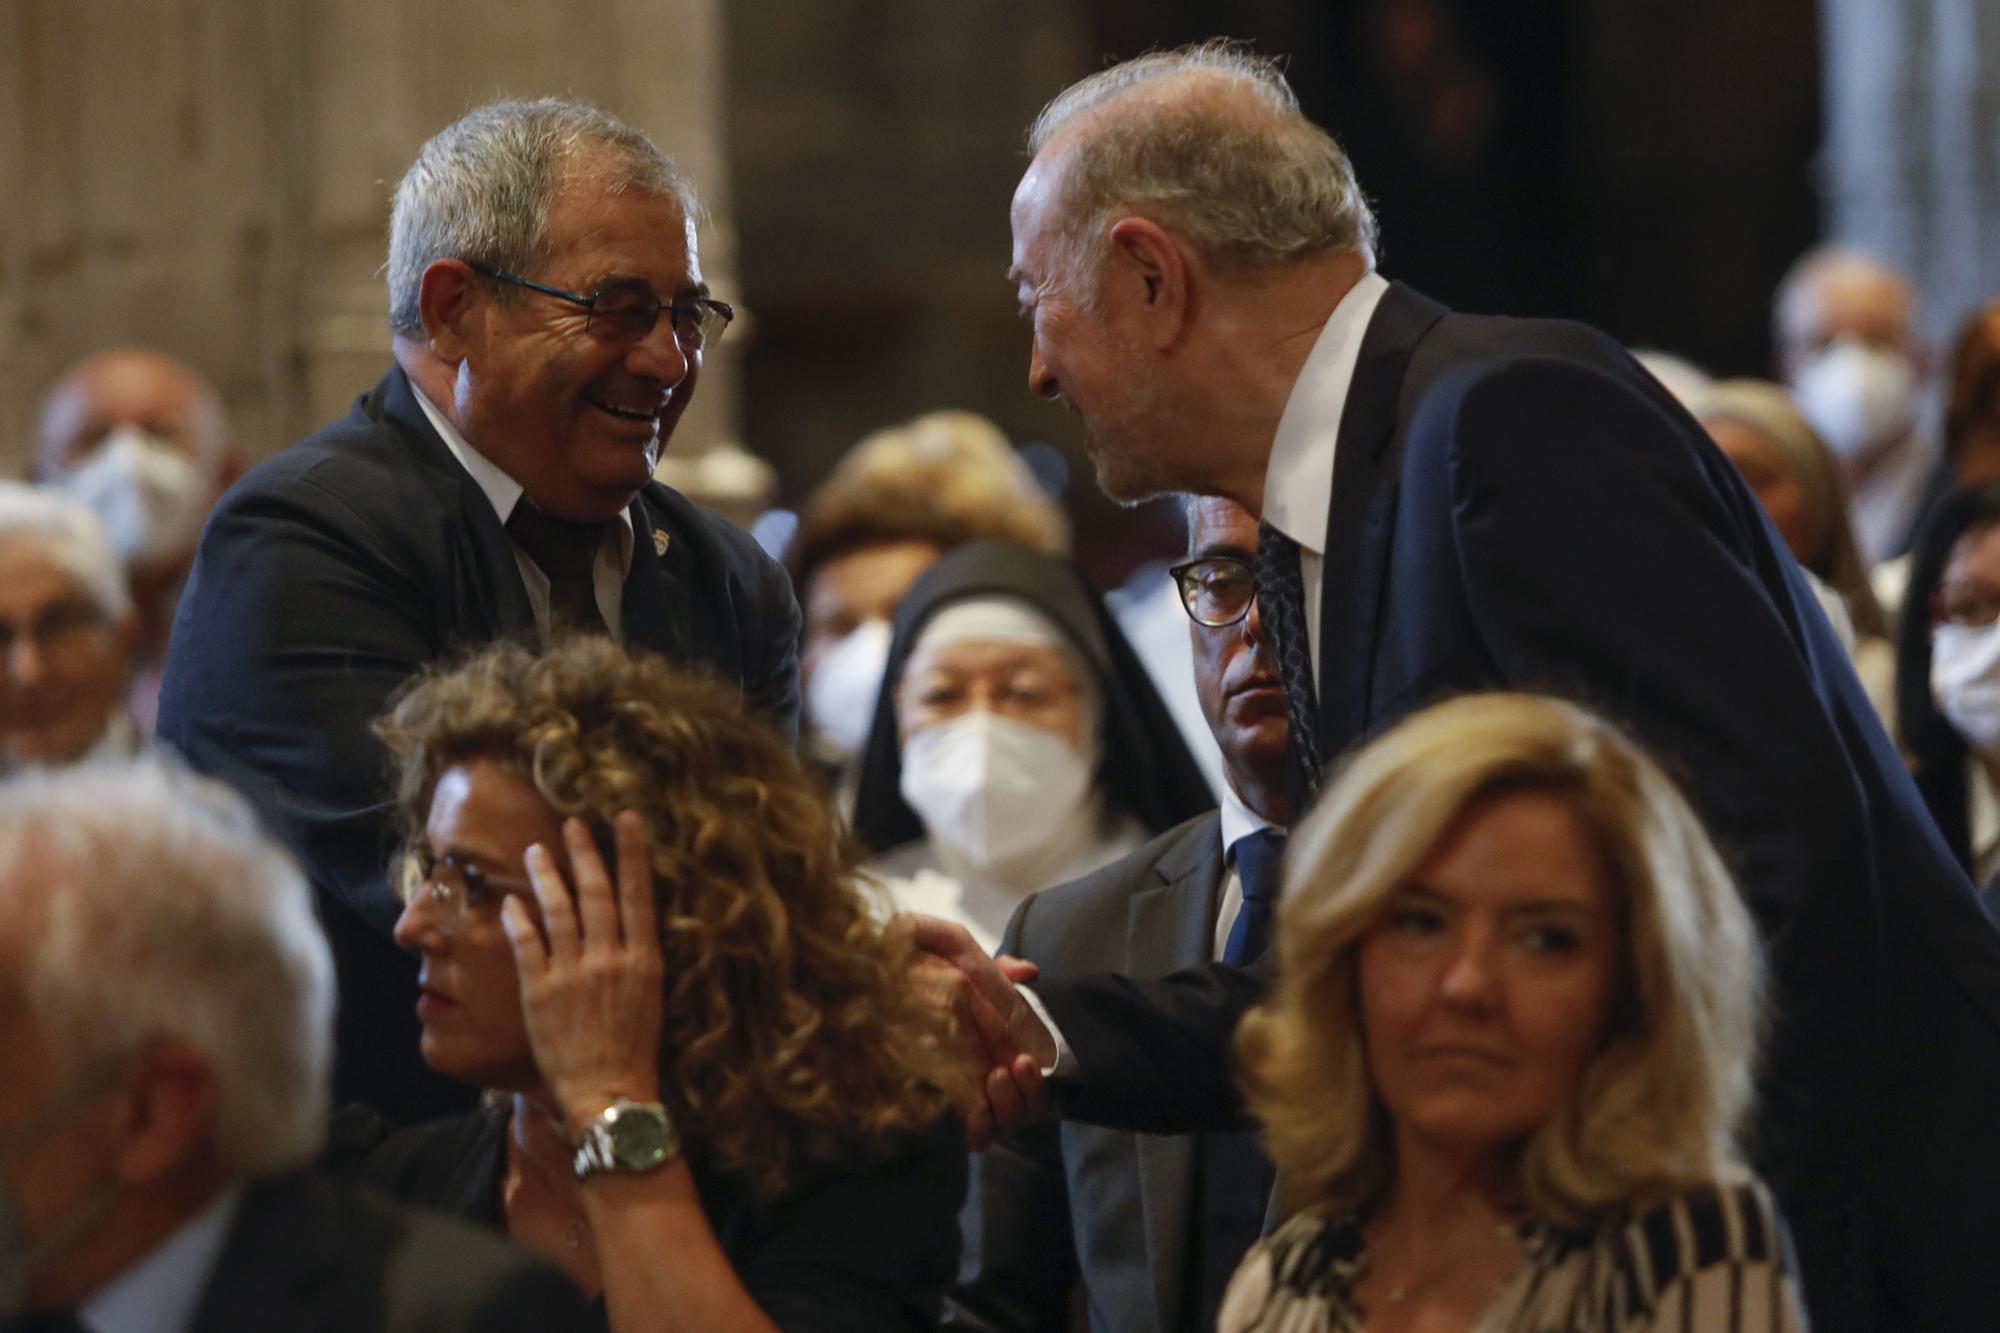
(628,311)
(60,633)
(1215,591)
(458,886)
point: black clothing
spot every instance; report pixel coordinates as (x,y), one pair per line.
(866,1247)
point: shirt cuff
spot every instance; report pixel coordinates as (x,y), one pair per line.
(1065,1065)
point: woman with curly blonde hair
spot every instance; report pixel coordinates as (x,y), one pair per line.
(1509,1048)
(712,1100)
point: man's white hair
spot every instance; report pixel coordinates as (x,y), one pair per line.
(1226,159)
(170,915)
(481,188)
(69,533)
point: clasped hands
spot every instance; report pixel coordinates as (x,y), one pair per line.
(1001,1040)
(592,978)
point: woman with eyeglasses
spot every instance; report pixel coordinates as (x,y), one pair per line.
(1948,677)
(710,1098)
(1509,1049)
(1017,742)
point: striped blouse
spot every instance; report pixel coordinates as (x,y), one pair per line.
(1711,1261)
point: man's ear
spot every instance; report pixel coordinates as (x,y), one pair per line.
(1153,264)
(167,1115)
(448,297)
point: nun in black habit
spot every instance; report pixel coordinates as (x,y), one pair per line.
(1017,742)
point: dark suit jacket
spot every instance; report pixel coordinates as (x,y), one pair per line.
(307,1256)
(866,1246)
(1055,1202)
(1516,505)
(329,576)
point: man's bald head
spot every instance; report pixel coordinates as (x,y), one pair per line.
(131,386)
(1209,142)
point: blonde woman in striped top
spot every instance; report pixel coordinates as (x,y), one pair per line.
(1509,1048)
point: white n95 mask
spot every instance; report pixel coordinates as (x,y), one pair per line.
(1965,681)
(991,788)
(840,697)
(148,496)
(1859,397)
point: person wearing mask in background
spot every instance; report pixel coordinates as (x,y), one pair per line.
(1948,678)
(166,1014)
(1151,1226)
(1016,742)
(1844,324)
(894,503)
(549,321)
(1972,401)
(67,630)
(1507,1063)
(144,441)
(1800,486)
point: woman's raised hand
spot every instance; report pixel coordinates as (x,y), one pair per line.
(591,974)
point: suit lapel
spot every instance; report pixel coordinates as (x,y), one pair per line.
(490,573)
(1170,927)
(1363,506)
(657,609)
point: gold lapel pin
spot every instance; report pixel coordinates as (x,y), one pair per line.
(661,541)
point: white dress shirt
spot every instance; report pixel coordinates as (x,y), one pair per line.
(1239,821)
(161,1292)
(1298,481)
(614,557)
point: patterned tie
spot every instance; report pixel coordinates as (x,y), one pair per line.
(565,550)
(1259,857)
(1281,604)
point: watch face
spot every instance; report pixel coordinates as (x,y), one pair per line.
(640,1138)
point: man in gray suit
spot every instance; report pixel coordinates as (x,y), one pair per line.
(1151,1226)
(166,1015)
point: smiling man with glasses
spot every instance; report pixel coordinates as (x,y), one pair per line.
(550,319)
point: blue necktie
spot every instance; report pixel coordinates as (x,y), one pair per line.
(1259,860)
(1281,604)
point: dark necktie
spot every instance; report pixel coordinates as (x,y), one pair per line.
(1259,859)
(1281,605)
(565,550)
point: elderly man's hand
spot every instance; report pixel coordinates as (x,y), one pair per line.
(1004,1045)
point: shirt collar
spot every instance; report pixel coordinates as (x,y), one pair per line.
(160,1293)
(501,491)
(1238,820)
(1298,481)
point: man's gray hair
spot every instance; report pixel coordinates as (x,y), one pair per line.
(69,534)
(1248,180)
(481,188)
(171,916)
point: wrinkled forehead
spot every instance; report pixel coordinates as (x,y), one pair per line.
(1216,522)
(604,230)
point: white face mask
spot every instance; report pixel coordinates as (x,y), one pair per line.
(992,788)
(150,498)
(840,697)
(1859,397)
(1965,681)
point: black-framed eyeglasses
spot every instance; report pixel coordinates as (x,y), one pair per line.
(628,311)
(1216,590)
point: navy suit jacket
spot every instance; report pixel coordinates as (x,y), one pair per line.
(1517,505)
(1053,1202)
(330,575)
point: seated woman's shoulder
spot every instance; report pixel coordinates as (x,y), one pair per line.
(1709,1226)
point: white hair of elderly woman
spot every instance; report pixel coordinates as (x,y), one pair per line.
(169,914)
(70,533)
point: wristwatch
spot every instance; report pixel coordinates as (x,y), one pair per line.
(627,1137)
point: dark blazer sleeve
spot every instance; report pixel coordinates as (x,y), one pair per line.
(1018,1266)
(297,625)
(771,646)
